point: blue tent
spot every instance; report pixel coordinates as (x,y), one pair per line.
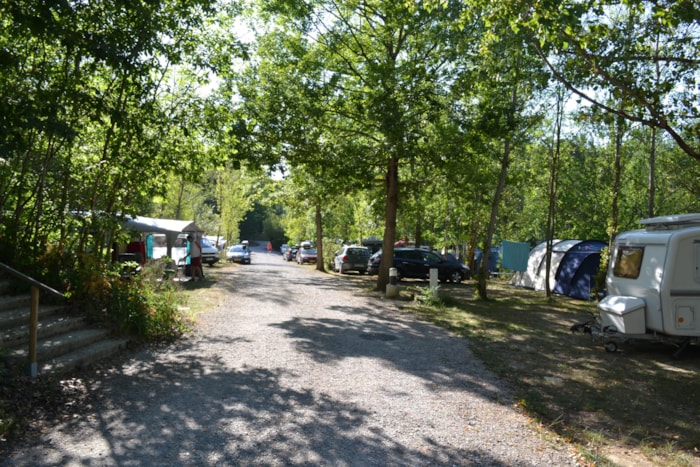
(492,262)
(575,276)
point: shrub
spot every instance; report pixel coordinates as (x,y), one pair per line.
(430,296)
(329,249)
(142,304)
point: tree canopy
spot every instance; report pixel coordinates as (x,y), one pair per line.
(431,121)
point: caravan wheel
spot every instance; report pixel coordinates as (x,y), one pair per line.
(610,347)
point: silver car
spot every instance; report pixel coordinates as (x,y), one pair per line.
(351,258)
(239,254)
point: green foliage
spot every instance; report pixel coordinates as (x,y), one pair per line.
(602,272)
(89,124)
(142,304)
(330,247)
(146,306)
(611,52)
(272,230)
(341,98)
(430,296)
(235,194)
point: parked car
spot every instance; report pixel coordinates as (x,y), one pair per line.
(306,254)
(210,255)
(178,253)
(283,248)
(351,258)
(290,254)
(239,254)
(417,263)
(465,268)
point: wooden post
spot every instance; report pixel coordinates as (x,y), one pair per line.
(33,332)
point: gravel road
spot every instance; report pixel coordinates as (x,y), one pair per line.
(295,367)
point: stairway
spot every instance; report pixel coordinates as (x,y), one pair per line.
(65,341)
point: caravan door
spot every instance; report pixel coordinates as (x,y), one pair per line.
(680,295)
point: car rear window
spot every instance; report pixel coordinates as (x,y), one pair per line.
(357,252)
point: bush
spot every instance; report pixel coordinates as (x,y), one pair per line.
(142,304)
(602,272)
(329,249)
(144,307)
(430,296)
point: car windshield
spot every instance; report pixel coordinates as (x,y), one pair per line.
(309,251)
(238,248)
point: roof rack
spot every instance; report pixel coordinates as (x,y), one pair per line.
(676,221)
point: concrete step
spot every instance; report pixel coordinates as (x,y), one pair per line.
(65,340)
(47,328)
(6,286)
(54,346)
(18,316)
(84,355)
(11,302)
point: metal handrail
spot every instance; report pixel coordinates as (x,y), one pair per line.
(33,313)
(33,282)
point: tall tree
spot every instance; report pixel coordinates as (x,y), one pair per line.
(641,51)
(385,61)
(554,169)
(81,124)
(500,94)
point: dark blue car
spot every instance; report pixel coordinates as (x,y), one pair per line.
(417,263)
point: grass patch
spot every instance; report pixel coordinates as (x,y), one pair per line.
(638,399)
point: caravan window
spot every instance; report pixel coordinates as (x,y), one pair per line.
(628,261)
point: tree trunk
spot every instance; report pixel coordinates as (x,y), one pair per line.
(553,183)
(391,207)
(652,174)
(419,231)
(471,247)
(505,163)
(320,265)
(483,269)
(617,168)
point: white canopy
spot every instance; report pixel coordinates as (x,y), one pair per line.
(170,227)
(166,226)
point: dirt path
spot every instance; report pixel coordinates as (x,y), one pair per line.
(295,367)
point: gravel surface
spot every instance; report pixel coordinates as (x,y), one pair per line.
(295,367)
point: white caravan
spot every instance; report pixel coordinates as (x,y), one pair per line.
(653,284)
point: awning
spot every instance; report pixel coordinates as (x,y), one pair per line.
(165,226)
(170,227)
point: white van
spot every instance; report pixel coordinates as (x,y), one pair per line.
(210,255)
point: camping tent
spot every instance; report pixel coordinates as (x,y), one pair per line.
(491,263)
(578,268)
(533,276)
(573,266)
